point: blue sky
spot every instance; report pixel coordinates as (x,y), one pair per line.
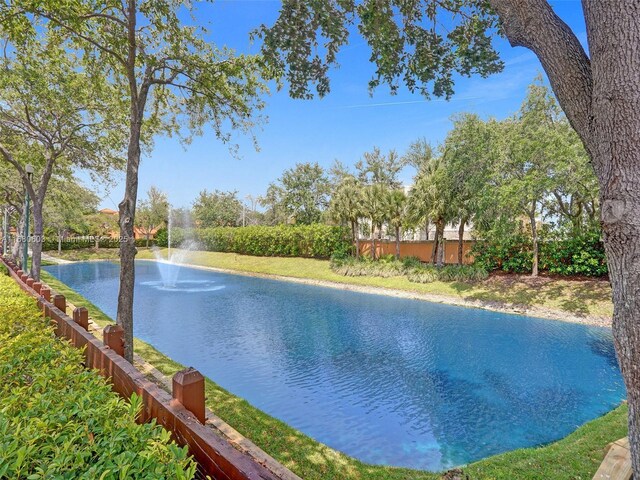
(342,126)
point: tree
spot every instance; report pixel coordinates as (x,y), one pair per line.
(431,193)
(52,118)
(172,79)
(347,206)
(419,156)
(101,225)
(217,209)
(66,207)
(374,207)
(301,193)
(396,216)
(377,168)
(152,212)
(467,160)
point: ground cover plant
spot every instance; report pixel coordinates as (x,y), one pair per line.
(59,420)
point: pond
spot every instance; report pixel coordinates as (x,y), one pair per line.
(386,380)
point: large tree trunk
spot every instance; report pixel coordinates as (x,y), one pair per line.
(534,240)
(463,221)
(128,250)
(148,238)
(398,243)
(437,242)
(36,244)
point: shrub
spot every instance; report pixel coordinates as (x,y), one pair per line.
(576,255)
(59,420)
(317,240)
(579,255)
(447,273)
(366,267)
(510,254)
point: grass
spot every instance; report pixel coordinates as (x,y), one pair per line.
(575,457)
(585,297)
(84,254)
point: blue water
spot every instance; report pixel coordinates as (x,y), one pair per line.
(386,380)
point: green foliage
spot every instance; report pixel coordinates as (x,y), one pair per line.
(316,240)
(59,420)
(509,254)
(447,273)
(576,255)
(300,195)
(421,44)
(217,209)
(386,266)
(411,267)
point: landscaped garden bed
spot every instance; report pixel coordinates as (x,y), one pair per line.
(59,420)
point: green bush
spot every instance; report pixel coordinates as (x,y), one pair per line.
(447,273)
(317,241)
(366,267)
(59,420)
(580,255)
(512,254)
(577,255)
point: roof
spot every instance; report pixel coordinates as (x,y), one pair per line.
(108,211)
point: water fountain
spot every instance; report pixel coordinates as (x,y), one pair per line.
(171,267)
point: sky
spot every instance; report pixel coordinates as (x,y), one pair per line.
(341,126)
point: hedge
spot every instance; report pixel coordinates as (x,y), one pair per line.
(59,420)
(317,240)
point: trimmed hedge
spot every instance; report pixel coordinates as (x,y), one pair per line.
(59,420)
(316,241)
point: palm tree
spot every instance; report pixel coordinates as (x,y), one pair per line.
(432,195)
(397,214)
(346,207)
(375,209)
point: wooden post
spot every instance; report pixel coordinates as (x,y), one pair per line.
(24,277)
(60,302)
(81,317)
(188,389)
(113,337)
(37,286)
(46,293)
(30,282)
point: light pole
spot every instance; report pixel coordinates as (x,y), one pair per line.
(5,230)
(25,252)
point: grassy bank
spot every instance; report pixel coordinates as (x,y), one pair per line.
(575,457)
(584,297)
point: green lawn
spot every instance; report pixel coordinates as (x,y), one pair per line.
(575,457)
(580,297)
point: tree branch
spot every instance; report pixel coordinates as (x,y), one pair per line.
(534,25)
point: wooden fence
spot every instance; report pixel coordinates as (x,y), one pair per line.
(422,249)
(183,414)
